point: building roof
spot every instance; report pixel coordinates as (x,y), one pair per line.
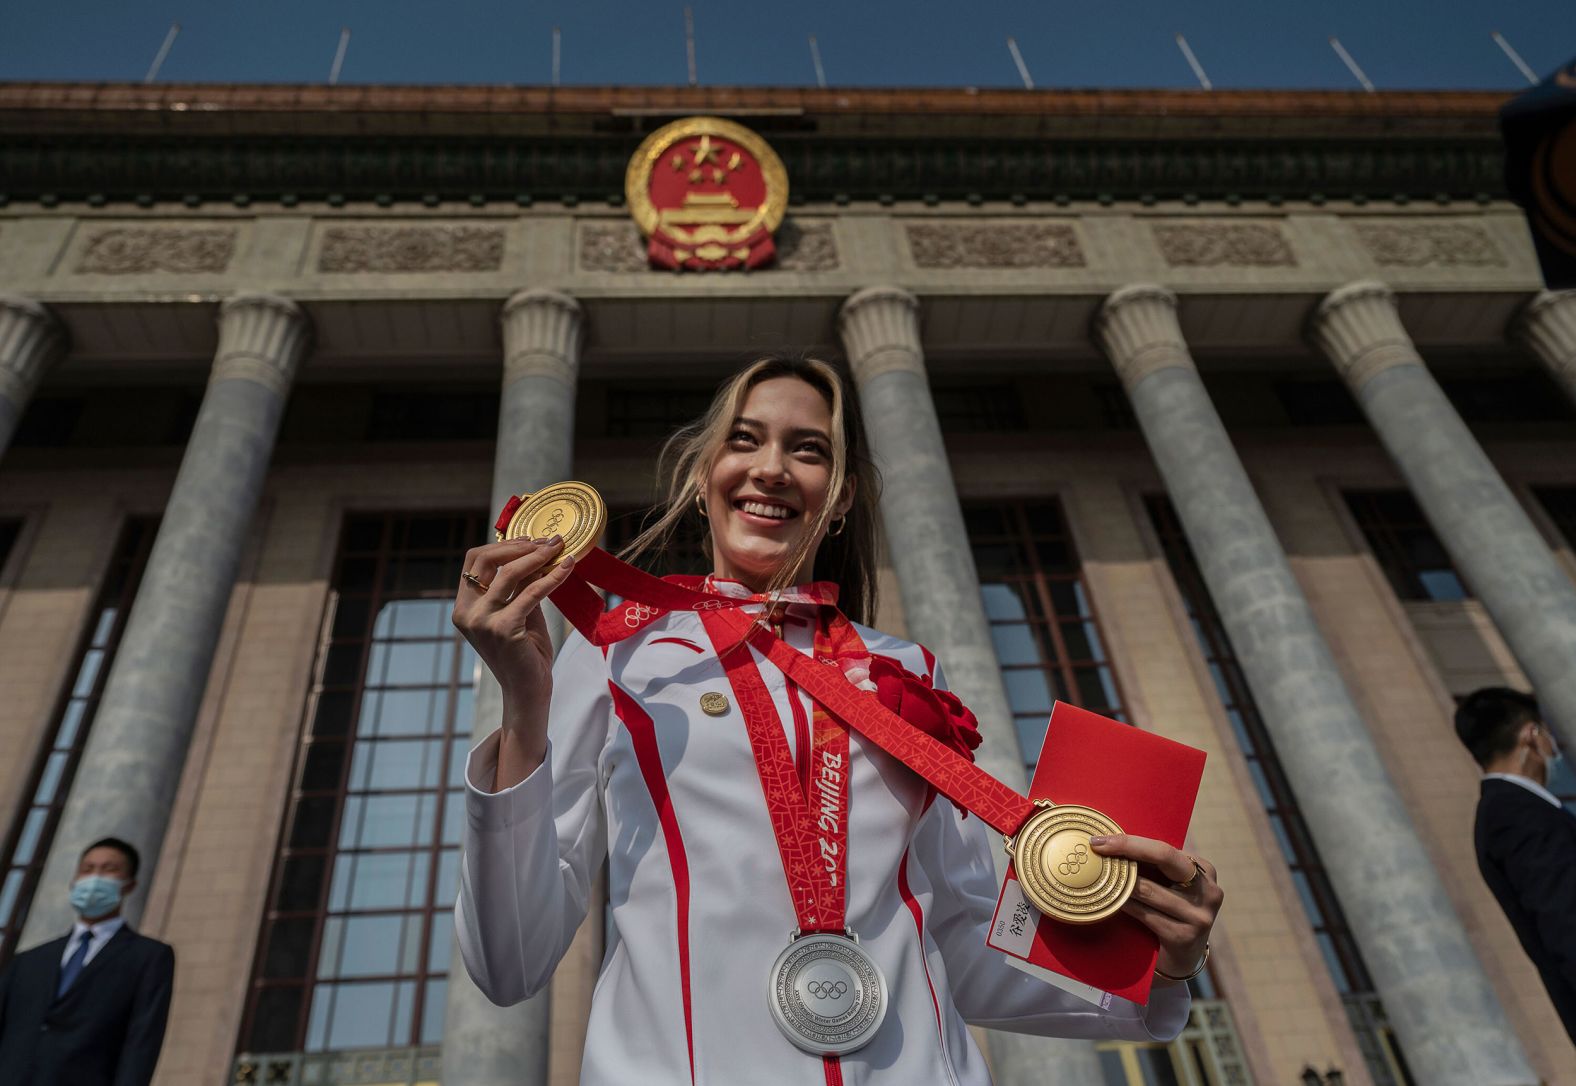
(116,141)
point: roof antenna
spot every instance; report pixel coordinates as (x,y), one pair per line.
(1192,61)
(1017,58)
(815,58)
(1340,51)
(689,42)
(164,51)
(556,40)
(339,56)
(1515,58)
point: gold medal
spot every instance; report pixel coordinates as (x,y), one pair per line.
(570,509)
(713,703)
(1060,874)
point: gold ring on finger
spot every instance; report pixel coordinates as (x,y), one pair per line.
(480,585)
(1198,869)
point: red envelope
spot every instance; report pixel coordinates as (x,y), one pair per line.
(1148,785)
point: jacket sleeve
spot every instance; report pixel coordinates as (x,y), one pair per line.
(139,1053)
(1538,857)
(955,855)
(530,851)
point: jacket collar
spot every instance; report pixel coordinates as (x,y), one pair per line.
(117,942)
(1528,783)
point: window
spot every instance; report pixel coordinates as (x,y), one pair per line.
(1319,903)
(49,422)
(115,418)
(355,946)
(1042,623)
(10,531)
(345,414)
(1318,402)
(685,554)
(978,409)
(1207,1053)
(1560,503)
(1408,551)
(640,410)
(27,845)
(433,415)
(1116,409)
(1519,397)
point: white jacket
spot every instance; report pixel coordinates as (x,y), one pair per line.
(669,796)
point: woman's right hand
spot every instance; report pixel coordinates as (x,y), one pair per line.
(504,623)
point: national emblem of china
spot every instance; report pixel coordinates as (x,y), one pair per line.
(708,194)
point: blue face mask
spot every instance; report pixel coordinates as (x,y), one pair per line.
(93,896)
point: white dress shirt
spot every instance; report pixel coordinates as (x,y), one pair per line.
(1526,782)
(637,775)
(103,932)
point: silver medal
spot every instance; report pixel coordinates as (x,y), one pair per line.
(828,995)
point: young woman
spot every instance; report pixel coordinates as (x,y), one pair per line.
(639,754)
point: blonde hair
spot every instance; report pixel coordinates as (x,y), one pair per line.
(847,558)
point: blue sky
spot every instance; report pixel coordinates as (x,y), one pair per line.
(1426,44)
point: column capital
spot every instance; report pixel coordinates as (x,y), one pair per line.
(879,327)
(1138,329)
(1547,324)
(542,333)
(262,338)
(1359,328)
(31,340)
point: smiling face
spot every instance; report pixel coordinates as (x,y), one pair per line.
(770,481)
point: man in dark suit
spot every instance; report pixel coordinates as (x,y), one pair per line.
(88,1009)
(1526,841)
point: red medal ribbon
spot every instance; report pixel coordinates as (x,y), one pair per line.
(811,829)
(648,598)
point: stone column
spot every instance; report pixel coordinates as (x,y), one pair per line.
(1451,1026)
(31,341)
(1548,326)
(1488,534)
(134,755)
(485,1045)
(941,592)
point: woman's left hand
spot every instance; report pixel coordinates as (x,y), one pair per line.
(1181,911)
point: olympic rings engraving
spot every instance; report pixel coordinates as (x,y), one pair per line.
(637,613)
(1074,862)
(552,522)
(827,989)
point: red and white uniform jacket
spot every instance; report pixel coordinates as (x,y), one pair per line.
(639,776)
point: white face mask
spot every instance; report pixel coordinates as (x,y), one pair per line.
(93,896)
(1556,755)
(1551,760)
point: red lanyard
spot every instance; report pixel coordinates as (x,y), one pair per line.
(811,829)
(953,775)
(647,598)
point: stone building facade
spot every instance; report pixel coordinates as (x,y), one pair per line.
(1242,416)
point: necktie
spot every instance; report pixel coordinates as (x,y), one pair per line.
(74,964)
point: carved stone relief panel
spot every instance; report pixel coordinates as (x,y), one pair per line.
(994,245)
(619,247)
(1231,244)
(612,247)
(1429,244)
(806,247)
(348,249)
(140,250)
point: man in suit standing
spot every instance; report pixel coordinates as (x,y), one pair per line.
(1526,841)
(88,1009)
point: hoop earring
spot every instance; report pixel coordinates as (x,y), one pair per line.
(700,506)
(842,525)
